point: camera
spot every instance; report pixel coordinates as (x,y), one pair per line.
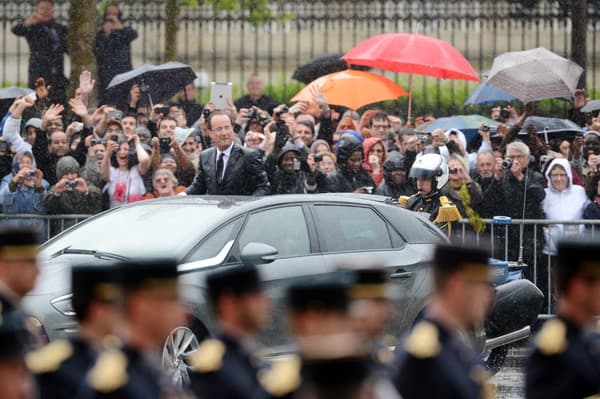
(283,110)
(507,163)
(97,141)
(485,128)
(162,110)
(252,114)
(504,113)
(114,137)
(206,113)
(165,144)
(318,158)
(70,184)
(452,171)
(116,114)
(31,172)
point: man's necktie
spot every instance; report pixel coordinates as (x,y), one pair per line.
(220,168)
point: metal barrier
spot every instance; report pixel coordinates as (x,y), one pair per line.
(497,236)
(48,225)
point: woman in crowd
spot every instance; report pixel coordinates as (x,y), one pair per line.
(164,184)
(328,163)
(564,201)
(123,167)
(349,176)
(464,192)
(375,155)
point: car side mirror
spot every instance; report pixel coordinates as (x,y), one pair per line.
(256,253)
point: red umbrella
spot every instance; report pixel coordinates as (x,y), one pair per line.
(413,54)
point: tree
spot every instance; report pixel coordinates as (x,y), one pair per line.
(579,24)
(81,37)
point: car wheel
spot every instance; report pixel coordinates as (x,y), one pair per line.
(178,346)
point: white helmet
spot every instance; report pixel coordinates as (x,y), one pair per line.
(431,166)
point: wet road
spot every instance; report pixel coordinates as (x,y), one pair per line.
(510,380)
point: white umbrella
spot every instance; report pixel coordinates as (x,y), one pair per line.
(535,74)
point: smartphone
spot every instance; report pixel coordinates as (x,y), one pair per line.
(33,96)
(165,144)
(220,93)
(115,115)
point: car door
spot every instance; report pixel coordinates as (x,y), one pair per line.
(356,235)
(286,229)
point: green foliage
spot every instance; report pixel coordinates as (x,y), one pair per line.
(257,12)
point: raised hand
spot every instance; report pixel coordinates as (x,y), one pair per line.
(53,112)
(41,89)
(86,84)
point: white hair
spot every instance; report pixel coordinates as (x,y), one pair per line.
(518,146)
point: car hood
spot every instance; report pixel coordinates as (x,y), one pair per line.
(55,274)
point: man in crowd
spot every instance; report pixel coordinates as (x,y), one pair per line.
(436,346)
(256,96)
(565,360)
(112,48)
(380,127)
(61,366)
(71,195)
(18,266)
(187,100)
(488,173)
(228,168)
(395,182)
(151,310)
(47,41)
(226,367)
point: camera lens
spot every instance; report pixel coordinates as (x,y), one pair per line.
(506,163)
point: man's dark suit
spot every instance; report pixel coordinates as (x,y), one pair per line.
(244,174)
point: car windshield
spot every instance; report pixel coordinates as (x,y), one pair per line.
(143,231)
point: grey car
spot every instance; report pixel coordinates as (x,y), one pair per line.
(313,235)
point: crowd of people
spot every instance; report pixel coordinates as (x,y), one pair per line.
(126,310)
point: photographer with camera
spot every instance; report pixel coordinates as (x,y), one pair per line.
(166,143)
(112,48)
(295,175)
(22,191)
(72,195)
(349,176)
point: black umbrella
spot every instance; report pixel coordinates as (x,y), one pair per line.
(323,65)
(10,93)
(591,106)
(157,82)
(552,127)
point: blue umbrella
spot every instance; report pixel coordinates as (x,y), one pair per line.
(488,94)
(468,124)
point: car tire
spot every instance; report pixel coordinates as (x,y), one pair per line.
(180,343)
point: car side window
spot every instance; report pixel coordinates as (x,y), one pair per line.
(349,228)
(211,246)
(282,228)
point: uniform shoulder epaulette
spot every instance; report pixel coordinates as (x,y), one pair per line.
(49,358)
(552,339)
(208,357)
(424,341)
(283,377)
(109,373)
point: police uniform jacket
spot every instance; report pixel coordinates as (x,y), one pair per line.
(61,366)
(565,362)
(225,369)
(425,203)
(436,363)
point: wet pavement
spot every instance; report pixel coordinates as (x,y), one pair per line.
(510,380)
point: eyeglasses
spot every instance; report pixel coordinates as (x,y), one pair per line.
(222,129)
(519,156)
(161,180)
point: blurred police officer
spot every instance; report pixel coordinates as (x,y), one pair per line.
(437,362)
(565,362)
(15,380)
(152,311)
(333,359)
(371,308)
(18,266)
(61,366)
(226,367)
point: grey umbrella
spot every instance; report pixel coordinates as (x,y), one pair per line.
(157,82)
(593,105)
(12,92)
(535,74)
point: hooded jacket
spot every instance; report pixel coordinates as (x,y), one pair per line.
(567,204)
(395,161)
(343,180)
(291,182)
(367,145)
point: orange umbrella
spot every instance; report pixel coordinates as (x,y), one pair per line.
(352,89)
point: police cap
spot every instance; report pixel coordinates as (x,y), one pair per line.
(94,283)
(149,275)
(329,293)
(471,261)
(233,280)
(577,258)
(19,244)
